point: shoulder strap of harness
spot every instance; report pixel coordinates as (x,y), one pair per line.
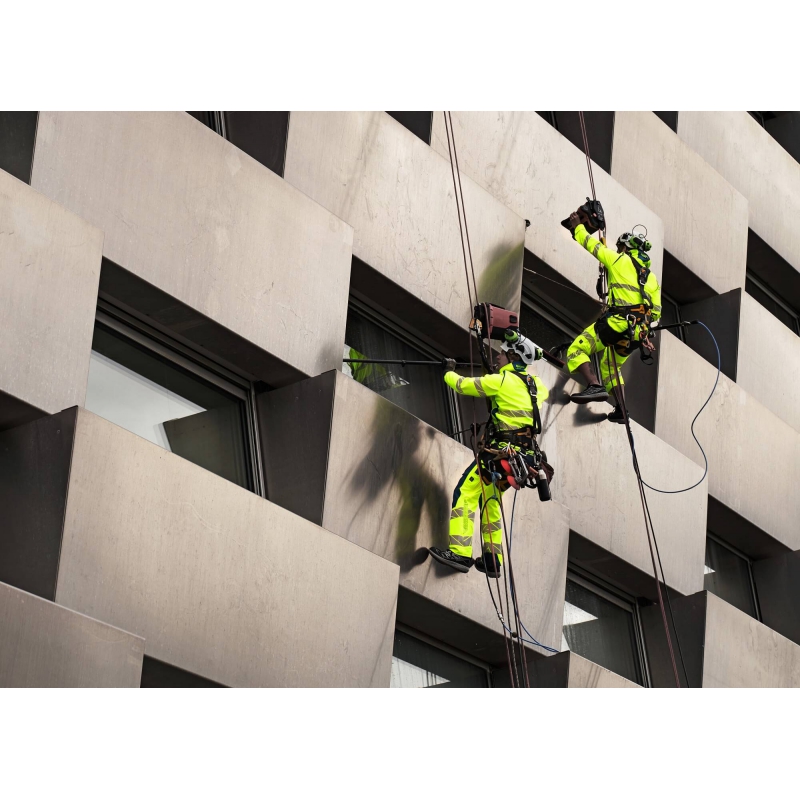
(531,384)
(642,274)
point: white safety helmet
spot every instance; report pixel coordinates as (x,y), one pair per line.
(523,349)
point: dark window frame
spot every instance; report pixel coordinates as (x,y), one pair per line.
(623,600)
(775,298)
(407,337)
(748,561)
(182,357)
(446,648)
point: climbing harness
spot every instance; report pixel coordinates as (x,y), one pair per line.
(525,466)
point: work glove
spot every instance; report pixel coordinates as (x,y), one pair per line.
(449,364)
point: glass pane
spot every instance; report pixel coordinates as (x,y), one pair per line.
(728,576)
(418,122)
(261,134)
(417,665)
(775,308)
(541,330)
(157,400)
(17,135)
(601,631)
(420,390)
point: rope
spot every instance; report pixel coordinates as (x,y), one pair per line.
(468,267)
(586,152)
(651,534)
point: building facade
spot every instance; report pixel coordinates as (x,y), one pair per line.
(197,490)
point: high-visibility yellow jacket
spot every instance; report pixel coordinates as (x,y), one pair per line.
(623,281)
(512,407)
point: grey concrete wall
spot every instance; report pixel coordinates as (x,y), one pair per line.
(595,479)
(45,645)
(49,272)
(585,674)
(397,193)
(705,218)
(737,147)
(389,489)
(753,465)
(741,652)
(567,670)
(219,581)
(769,361)
(196,217)
(539,174)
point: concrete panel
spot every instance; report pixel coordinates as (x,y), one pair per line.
(741,652)
(705,218)
(531,168)
(397,194)
(220,582)
(199,219)
(389,488)
(773,381)
(596,481)
(568,670)
(585,674)
(737,147)
(49,272)
(753,465)
(45,645)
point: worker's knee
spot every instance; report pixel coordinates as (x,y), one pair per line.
(578,353)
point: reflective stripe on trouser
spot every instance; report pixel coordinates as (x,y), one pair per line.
(467,499)
(588,343)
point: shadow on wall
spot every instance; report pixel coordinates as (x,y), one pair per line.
(400,461)
(500,283)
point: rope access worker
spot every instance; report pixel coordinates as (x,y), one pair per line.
(515,396)
(634,301)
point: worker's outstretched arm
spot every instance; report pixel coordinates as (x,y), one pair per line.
(486,386)
(605,255)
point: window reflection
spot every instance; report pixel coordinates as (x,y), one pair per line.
(156,399)
(419,665)
(420,390)
(601,630)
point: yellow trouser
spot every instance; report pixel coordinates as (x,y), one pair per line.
(468,497)
(587,344)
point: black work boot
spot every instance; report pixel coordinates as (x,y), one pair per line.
(616,416)
(448,557)
(590,394)
(489,564)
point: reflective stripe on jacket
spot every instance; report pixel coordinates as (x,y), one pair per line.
(512,407)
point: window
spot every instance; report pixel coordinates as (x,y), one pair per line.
(17,136)
(670,314)
(159,390)
(599,132)
(544,325)
(261,134)
(604,627)
(761,292)
(669,118)
(418,122)
(729,575)
(419,663)
(420,390)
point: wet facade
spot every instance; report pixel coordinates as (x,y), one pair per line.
(196,490)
